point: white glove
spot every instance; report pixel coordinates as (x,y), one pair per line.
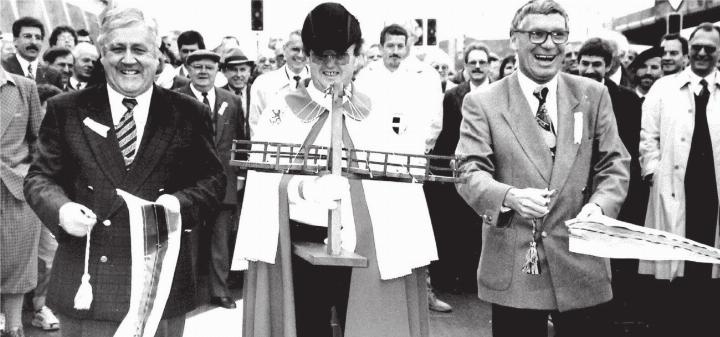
(326,190)
(76,219)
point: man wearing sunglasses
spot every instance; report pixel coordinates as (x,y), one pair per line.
(541,147)
(680,156)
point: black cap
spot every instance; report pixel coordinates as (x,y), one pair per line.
(644,56)
(330,26)
(203,54)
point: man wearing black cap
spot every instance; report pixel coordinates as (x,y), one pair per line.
(285,295)
(228,124)
(647,68)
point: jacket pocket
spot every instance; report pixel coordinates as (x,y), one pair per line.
(497,257)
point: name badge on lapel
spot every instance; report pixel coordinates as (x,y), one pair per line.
(223,106)
(100,129)
(578,128)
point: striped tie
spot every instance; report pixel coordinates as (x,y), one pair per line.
(126,132)
(30,72)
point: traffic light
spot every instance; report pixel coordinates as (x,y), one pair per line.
(256,15)
(674,23)
(419,30)
(431,32)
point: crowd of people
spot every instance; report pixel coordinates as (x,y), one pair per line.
(554,131)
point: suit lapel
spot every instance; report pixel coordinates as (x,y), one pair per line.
(105,149)
(523,124)
(159,131)
(219,119)
(568,100)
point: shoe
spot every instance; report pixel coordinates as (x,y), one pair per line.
(45,319)
(437,305)
(225,302)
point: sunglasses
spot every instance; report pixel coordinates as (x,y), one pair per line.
(708,49)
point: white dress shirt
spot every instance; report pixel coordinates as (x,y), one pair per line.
(25,63)
(528,86)
(140,112)
(199,96)
(77,84)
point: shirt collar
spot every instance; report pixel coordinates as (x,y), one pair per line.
(116,98)
(24,64)
(75,83)
(199,95)
(304,73)
(711,79)
(528,85)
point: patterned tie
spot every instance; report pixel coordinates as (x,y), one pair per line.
(30,72)
(126,132)
(542,118)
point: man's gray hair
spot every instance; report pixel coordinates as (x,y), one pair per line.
(84,47)
(122,17)
(544,7)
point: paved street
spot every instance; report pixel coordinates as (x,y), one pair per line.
(471,317)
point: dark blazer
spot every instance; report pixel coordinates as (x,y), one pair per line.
(74,163)
(504,148)
(229,125)
(246,106)
(452,116)
(43,75)
(628,114)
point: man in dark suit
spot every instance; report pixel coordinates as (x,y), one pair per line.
(28,34)
(129,135)
(541,147)
(228,123)
(237,69)
(594,58)
(456,226)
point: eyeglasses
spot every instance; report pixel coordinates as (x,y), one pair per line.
(200,67)
(438,67)
(478,63)
(341,59)
(539,36)
(708,49)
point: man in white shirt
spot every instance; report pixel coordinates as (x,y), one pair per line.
(85,56)
(28,35)
(288,77)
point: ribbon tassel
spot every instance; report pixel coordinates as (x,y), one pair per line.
(532,267)
(84,296)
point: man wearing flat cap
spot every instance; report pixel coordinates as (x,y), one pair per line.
(228,124)
(283,294)
(647,68)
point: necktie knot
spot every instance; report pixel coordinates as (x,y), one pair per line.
(297,80)
(541,94)
(129,103)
